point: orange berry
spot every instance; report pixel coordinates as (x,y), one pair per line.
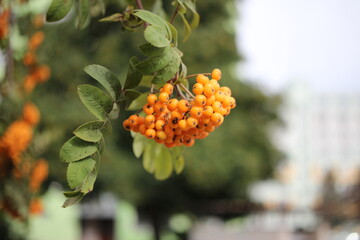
(208,111)
(210,100)
(182,124)
(189,142)
(226,90)
(216,74)
(127,124)
(168,88)
(151,98)
(161,135)
(209,90)
(200,100)
(223,111)
(216,106)
(148,109)
(149,119)
(183,105)
(168,131)
(202,79)
(159,107)
(232,102)
(150,133)
(159,124)
(191,122)
(215,84)
(172,104)
(209,128)
(35,40)
(226,102)
(164,97)
(170,144)
(217,118)
(220,96)
(196,111)
(133,120)
(178,131)
(142,128)
(198,88)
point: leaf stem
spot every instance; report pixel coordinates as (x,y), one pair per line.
(139,4)
(180,92)
(174,14)
(194,75)
(152,88)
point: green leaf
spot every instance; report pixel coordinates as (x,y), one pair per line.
(146,81)
(72,200)
(91,131)
(78,171)
(196,17)
(156,36)
(154,64)
(139,144)
(154,20)
(95,100)
(84,8)
(134,76)
(101,145)
(151,150)
(116,17)
(138,103)
(89,181)
(174,34)
(149,50)
(75,149)
(179,164)
(74,193)
(58,10)
(187,28)
(106,78)
(130,96)
(169,71)
(163,164)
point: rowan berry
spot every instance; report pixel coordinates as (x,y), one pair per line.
(216,106)
(127,124)
(150,133)
(210,128)
(191,122)
(148,109)
(142,128)
(226,102)
(232,102)
(217,118)
(151,98)
(198,88)
(210,100)
(183,105)
(220,96)
(196,111)
(201,78)
(159,124)
(200,100)
(182,124)
(226,90)
(172,104)
(216,74)
(161,135)
(133,119)
(168,88)
(208,111)
(215,84)
(189,142)
(209,90)
(178,131)
(149,119)
(159,107)
(164,97)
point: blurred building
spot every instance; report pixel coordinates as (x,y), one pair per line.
(321,134)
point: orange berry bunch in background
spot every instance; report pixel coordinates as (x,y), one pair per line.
(179,122)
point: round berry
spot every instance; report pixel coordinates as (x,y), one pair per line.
(182,124)
(216,74)
(220,96)
(168,88)
(149,119)
(209,90)
(150,133)
(201,78)
(198,88)
(208,111)
(196,111)
(172,104)
(183,105)
(151,98)
(161,135)
(159,124)
(148,109)
(215,84)
(232,102)
(200,100)
(191,122)
(133,119)
(217,118)
(164,97)
(127,124)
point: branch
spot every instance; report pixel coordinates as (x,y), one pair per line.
(174,14)
(194,75)
(186,90)
(139,4)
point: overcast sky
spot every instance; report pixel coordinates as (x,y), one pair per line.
(317,41)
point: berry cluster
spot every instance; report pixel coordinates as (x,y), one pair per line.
(177,122)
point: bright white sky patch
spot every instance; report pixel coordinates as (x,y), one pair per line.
(317,41)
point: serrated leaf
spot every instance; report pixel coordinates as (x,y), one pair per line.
(154,64)
(169,71)
(95,100)
(187,28)
(151,150)
(70,194)
(72,200)
(179,164)
(156,36)
(106,78)
(139,144)
(91,131)
(84,8)
(130,96)
(134,76)
(154,20)
(151,51)
(116,17)
(138,103)
(77,172)
(75,149)
(58,10)
(163,164)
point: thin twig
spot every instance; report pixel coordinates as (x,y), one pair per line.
(180,92)
(152,88)
(194,75)
(174,14)
(139,4)
(186,90)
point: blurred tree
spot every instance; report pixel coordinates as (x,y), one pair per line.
(218,169)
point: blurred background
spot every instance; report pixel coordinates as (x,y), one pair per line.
(285,165)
